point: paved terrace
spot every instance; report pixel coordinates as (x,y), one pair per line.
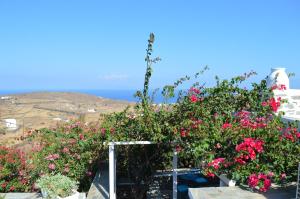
(238,193)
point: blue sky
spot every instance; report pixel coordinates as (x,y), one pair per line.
(70,44)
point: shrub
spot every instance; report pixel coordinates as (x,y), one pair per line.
(14,171)
(223,129)
(56,185)
(73,150)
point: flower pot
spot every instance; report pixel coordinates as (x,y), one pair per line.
(74,196)
(278,76)
(225,182)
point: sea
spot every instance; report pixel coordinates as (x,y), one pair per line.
(126,95)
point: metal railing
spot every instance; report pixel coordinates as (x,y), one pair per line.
(112,166)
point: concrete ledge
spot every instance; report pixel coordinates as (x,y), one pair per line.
(30,195)
(238,193)
(100,186)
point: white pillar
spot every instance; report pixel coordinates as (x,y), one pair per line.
(298,184)
(112,172)
(175,159)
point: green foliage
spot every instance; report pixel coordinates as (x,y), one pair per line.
(73,150)
(56,185)
(206,124)
(225,129)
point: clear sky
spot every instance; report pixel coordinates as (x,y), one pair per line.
(86,44)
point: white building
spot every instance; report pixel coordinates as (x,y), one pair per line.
(11,124)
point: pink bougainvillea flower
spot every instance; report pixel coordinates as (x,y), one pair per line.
(178,148)
(65,150)
(103,131)
(193,98)
(12,188)
(226,125)
(253,180)
(210,175)
(89,173)
(183,133)
(81,136)
(216,163)
(248,150)
(66,169)
(267,185)
(271,174)
(278,87)
(260,182)
(52,157)
(282,176)
(3,185)
(194,90)
(274,104)
(264,104)
(51,166)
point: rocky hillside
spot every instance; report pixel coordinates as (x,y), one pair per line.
(22,112)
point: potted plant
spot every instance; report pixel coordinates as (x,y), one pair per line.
(58,186)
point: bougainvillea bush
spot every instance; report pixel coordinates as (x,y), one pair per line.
(238,132)
(224,129)
(14,171)
(73,150)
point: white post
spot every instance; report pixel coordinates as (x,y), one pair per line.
(175,159)
(298,184)
(112,172)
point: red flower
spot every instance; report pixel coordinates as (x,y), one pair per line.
(183,133)
(248,149)
(254,182)
(178,148)
(81,136)
(267,185)
(195,90)
(193,98)
(279,87)
(12,188)
(274,104)
(24,181)
(103,131)
(3,185)
(226,125)
(264,103)
(210,175)
(216,163)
